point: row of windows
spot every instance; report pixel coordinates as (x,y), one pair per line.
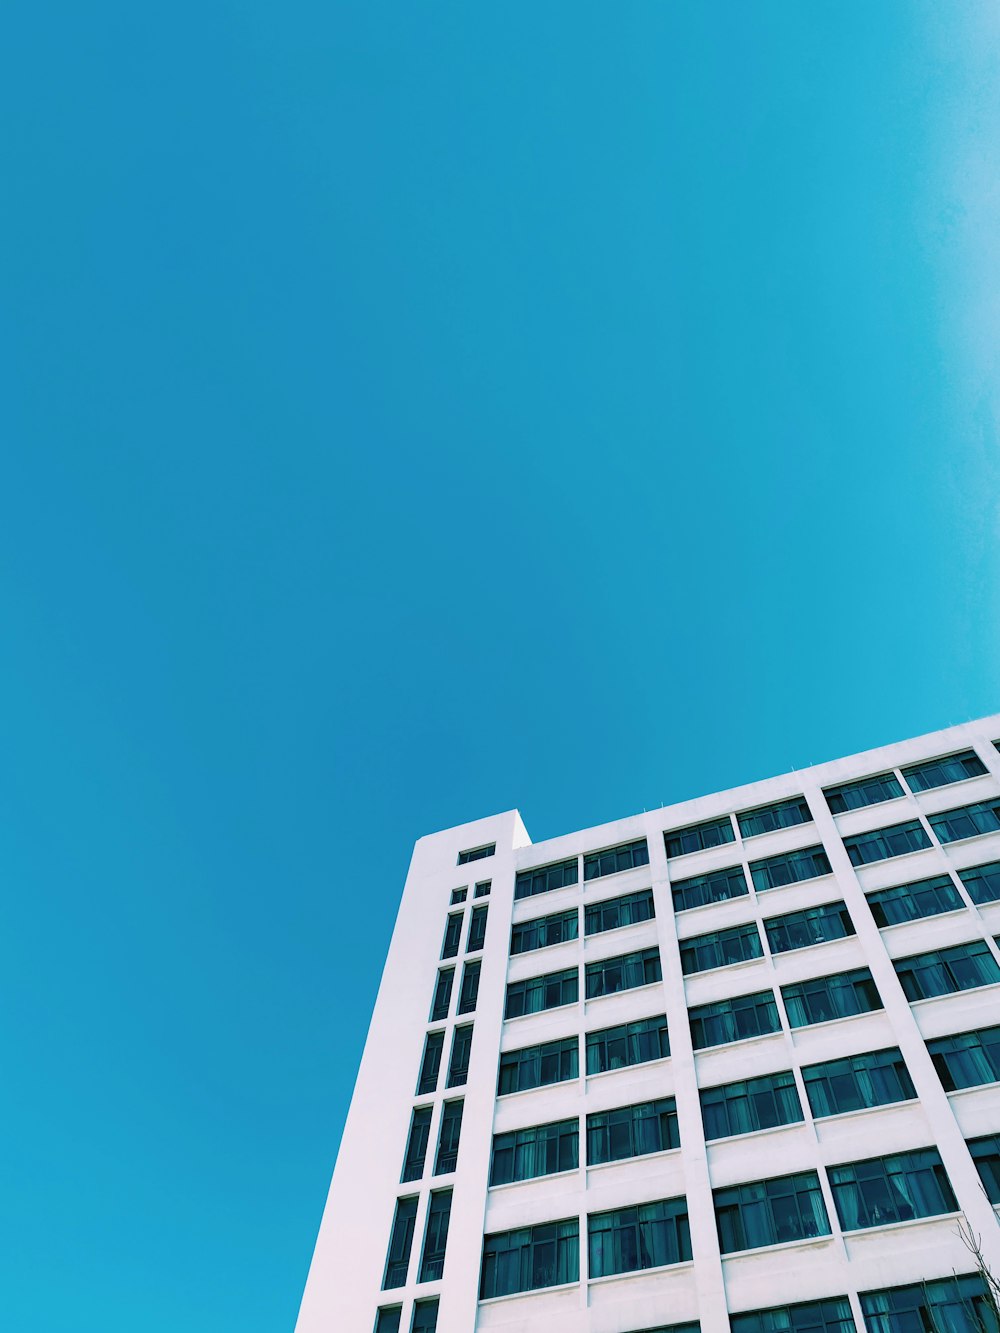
(607,976)
(611,1048)
(612,1136)
(559,874)
(793,930)
(624,1240)
(833,1087)
(848,796)
(790,868)
(609,914)
(957,1304)
(878,1191)
(902,902)
(871,1079)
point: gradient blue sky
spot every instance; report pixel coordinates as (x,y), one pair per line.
(412,411)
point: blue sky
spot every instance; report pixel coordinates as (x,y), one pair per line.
(410,412)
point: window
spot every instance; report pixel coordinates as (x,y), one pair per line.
(435,1236)
(856,1082)
(624,972)
(738,944)
(547,1255)
(543,879)
(967,1059)
(483,888)
(950,1304)
(459,896)
(451,1132)
(982,882)
(770,1212)
(880,844)
(470,986)
(829,1316)
(425,1317)
(946,971)
(632,1131)
(400,1243)
(757,1103)
(866,791)
(882,1190)
(939,772)
(461,1049)
(968,821)
(694,838)
(910,902)
(732,1020)
(442,994)
(525,1154)
(822,998)
(431,1063)
(714,887)
(452,935)
(814,925)
(627,1044)
(766,818)
(476,854)
(544,931)
(625,856)
(538,993)
(615,912)
(986,1155)
(388,1319)
(776,871)
(477,930)
(416,1144)
(536,1066)
(648,1236)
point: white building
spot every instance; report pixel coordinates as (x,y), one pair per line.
(732,1064)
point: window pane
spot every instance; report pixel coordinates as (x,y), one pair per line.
(696,837)
(865,791)
(875,1078)
(544,931)
(982,882)
(714,887)
(814,925)
(757,1103)
(910,902)
(615,912)
(824,998)
(530,1258)
(791,868)
(400,1242)
(967,1059)
(880,844)
(613,859)
(939,772)
(544,879)
(783,814)
(435,1236)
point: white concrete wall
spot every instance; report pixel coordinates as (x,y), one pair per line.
(343,1291)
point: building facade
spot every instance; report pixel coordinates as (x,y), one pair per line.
(729,1065)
